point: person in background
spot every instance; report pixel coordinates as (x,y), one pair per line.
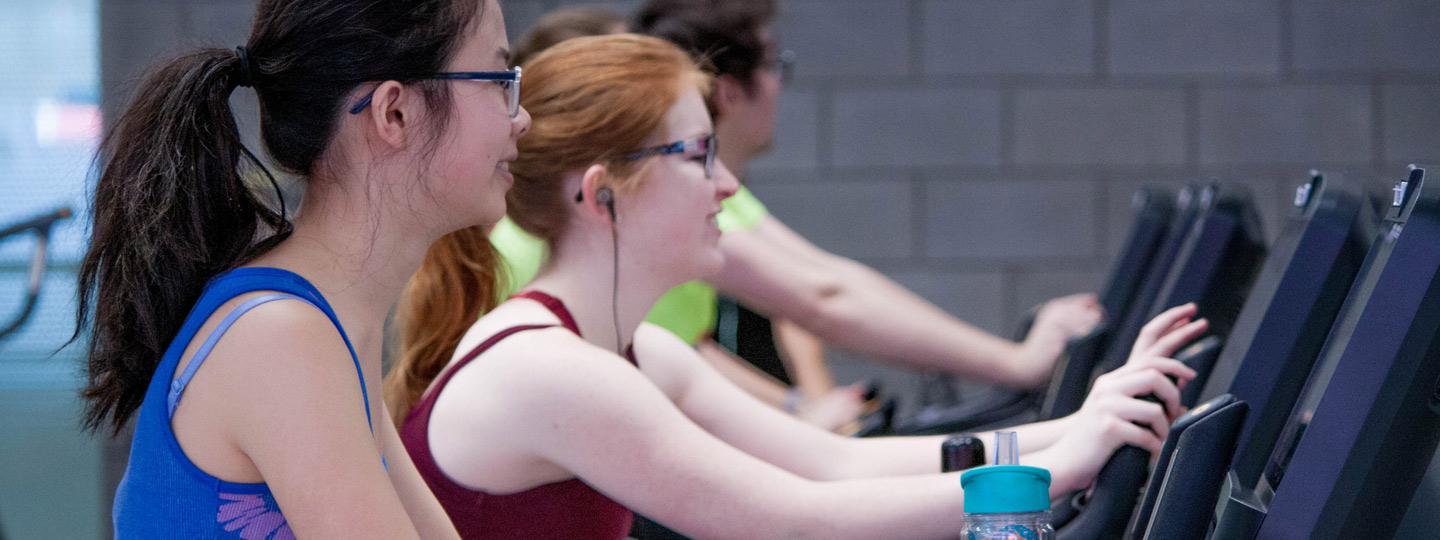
(246,346)
(771,268)
(565,23)
(557,413)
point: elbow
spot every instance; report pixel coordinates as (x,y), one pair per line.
(826,309)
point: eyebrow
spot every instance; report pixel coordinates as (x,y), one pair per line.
(504,54)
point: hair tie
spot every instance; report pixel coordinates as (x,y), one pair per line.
(247,70)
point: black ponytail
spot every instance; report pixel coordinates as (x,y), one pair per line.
(172,207)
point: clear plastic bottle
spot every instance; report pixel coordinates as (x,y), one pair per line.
(1007,501)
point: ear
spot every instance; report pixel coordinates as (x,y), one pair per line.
(728,94)
(392,112)
(592,181)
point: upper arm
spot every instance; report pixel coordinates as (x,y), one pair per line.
(776,275)
(728,412)
(298,415)
(592,416)
(602,421)
(424,509)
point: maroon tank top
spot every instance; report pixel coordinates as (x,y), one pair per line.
(568,509)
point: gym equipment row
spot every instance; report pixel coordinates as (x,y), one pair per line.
(1315,412)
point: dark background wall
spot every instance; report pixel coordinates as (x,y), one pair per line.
(984,152)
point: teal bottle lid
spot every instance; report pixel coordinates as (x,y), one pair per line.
(997,489)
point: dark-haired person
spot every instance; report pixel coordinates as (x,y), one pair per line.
(565,23)
(778,272)
(246,346)
(558,412)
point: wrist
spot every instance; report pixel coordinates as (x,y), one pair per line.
(1024,361)
(791,402)
(1063,480)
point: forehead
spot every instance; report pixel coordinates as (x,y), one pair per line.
(485,44)
(687,117)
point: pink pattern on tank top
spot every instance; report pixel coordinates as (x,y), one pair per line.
(253,516)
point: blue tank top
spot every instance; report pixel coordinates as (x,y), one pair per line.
(163,494)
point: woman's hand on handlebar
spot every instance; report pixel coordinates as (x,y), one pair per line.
(1117,413)
(1057,322)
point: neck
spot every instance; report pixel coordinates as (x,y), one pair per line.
(733,153)
(359,257)
(580,274)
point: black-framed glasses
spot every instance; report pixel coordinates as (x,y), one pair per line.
(509,80)
(707,143)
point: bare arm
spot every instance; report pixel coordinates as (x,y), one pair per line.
(830,410)
(295,412)
(744,375)
(592,415)
(779,273)
(1073,448)
(728,413)
(424,510)
(804,357)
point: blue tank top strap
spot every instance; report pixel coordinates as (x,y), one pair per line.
(244,280)
(177,386)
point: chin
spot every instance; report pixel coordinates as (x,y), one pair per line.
(488,212)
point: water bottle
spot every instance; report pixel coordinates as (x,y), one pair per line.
(1007,501)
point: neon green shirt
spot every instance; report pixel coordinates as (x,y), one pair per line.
(687,310)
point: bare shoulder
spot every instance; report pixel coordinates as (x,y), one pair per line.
(654,340)
(279,373)
(275,334)
(547,369)
(277,351)
(667,360)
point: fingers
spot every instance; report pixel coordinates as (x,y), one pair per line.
(1145,413)
(1176,369)
(1168,366)
(1072,315)
(1158,326)
(1174,340)
(1151,381)
(1131,434)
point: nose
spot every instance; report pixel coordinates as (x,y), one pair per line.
(725,182)
(520,125)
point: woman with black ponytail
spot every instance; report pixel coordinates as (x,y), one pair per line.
(242,335)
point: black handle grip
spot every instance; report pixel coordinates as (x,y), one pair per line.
(878,422)
(1117,489)
(1074,371)
(1116,492)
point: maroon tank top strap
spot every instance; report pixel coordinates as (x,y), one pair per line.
(555,306)
(561,312)
(475,352)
